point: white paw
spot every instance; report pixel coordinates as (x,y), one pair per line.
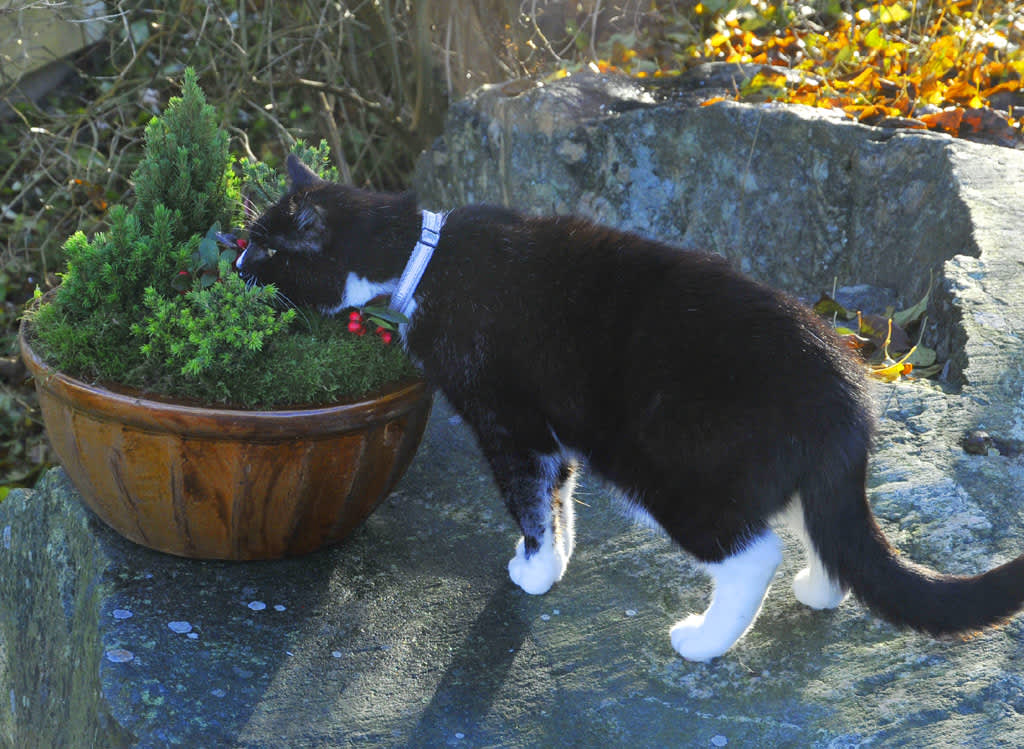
(692,640)
(537,574)
(817,590)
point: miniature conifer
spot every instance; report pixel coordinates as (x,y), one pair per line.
(187,165)
(123,314)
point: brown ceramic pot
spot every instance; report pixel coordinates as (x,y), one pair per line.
(228,484)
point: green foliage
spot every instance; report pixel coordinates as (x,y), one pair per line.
(319,361)
(112,270)
(263,185)
(186,166)
(209,333)
(87,329)
(154,302)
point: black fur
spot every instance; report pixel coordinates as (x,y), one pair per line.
(708,398)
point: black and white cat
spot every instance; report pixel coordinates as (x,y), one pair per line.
(715,404)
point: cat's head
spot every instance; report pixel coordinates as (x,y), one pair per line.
(322,236)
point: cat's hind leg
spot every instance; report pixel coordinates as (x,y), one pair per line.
(537,491)
(741,584)
(812,585)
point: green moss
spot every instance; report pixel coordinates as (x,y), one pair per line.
(154,304)
(319,361)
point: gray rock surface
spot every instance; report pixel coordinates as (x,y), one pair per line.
(410,634)
(794,195)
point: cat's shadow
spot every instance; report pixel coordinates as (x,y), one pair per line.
(479,669)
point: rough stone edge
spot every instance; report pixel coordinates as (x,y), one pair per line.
(50,639)
(583,105)
(989,180)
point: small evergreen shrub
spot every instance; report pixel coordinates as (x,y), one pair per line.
(264,185)
(154,303)
(186,166)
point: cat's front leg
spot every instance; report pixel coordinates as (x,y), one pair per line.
(563,512)
(537,490)
(536,573)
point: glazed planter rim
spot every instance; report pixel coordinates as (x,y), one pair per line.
(150,412)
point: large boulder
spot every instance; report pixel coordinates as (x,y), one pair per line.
(410,634)
(794,195)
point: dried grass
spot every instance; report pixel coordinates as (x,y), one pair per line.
(372,77)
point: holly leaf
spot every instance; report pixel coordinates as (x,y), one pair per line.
(209,253)
(182,282)
(226,238)
(385,315)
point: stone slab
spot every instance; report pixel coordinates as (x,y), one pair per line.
(409,634)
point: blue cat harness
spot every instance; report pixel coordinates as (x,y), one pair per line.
(402,299)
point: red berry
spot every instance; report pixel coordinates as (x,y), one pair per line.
(182,272)
(356,327)
(386,336)
(354,316)
(242,243)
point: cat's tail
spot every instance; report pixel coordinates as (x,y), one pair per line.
(855,553)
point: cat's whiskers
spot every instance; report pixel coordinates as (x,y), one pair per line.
(249,210)
(283,300)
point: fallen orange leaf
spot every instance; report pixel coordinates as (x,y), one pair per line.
(889,370)
(948,120)
(1004,87)
(962,92)
(892,372)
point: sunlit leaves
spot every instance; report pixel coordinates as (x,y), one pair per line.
(894,13)
(900,63)
(883,340)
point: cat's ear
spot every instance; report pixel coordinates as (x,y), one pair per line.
(300,175)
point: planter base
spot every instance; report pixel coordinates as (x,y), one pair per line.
(228,484)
